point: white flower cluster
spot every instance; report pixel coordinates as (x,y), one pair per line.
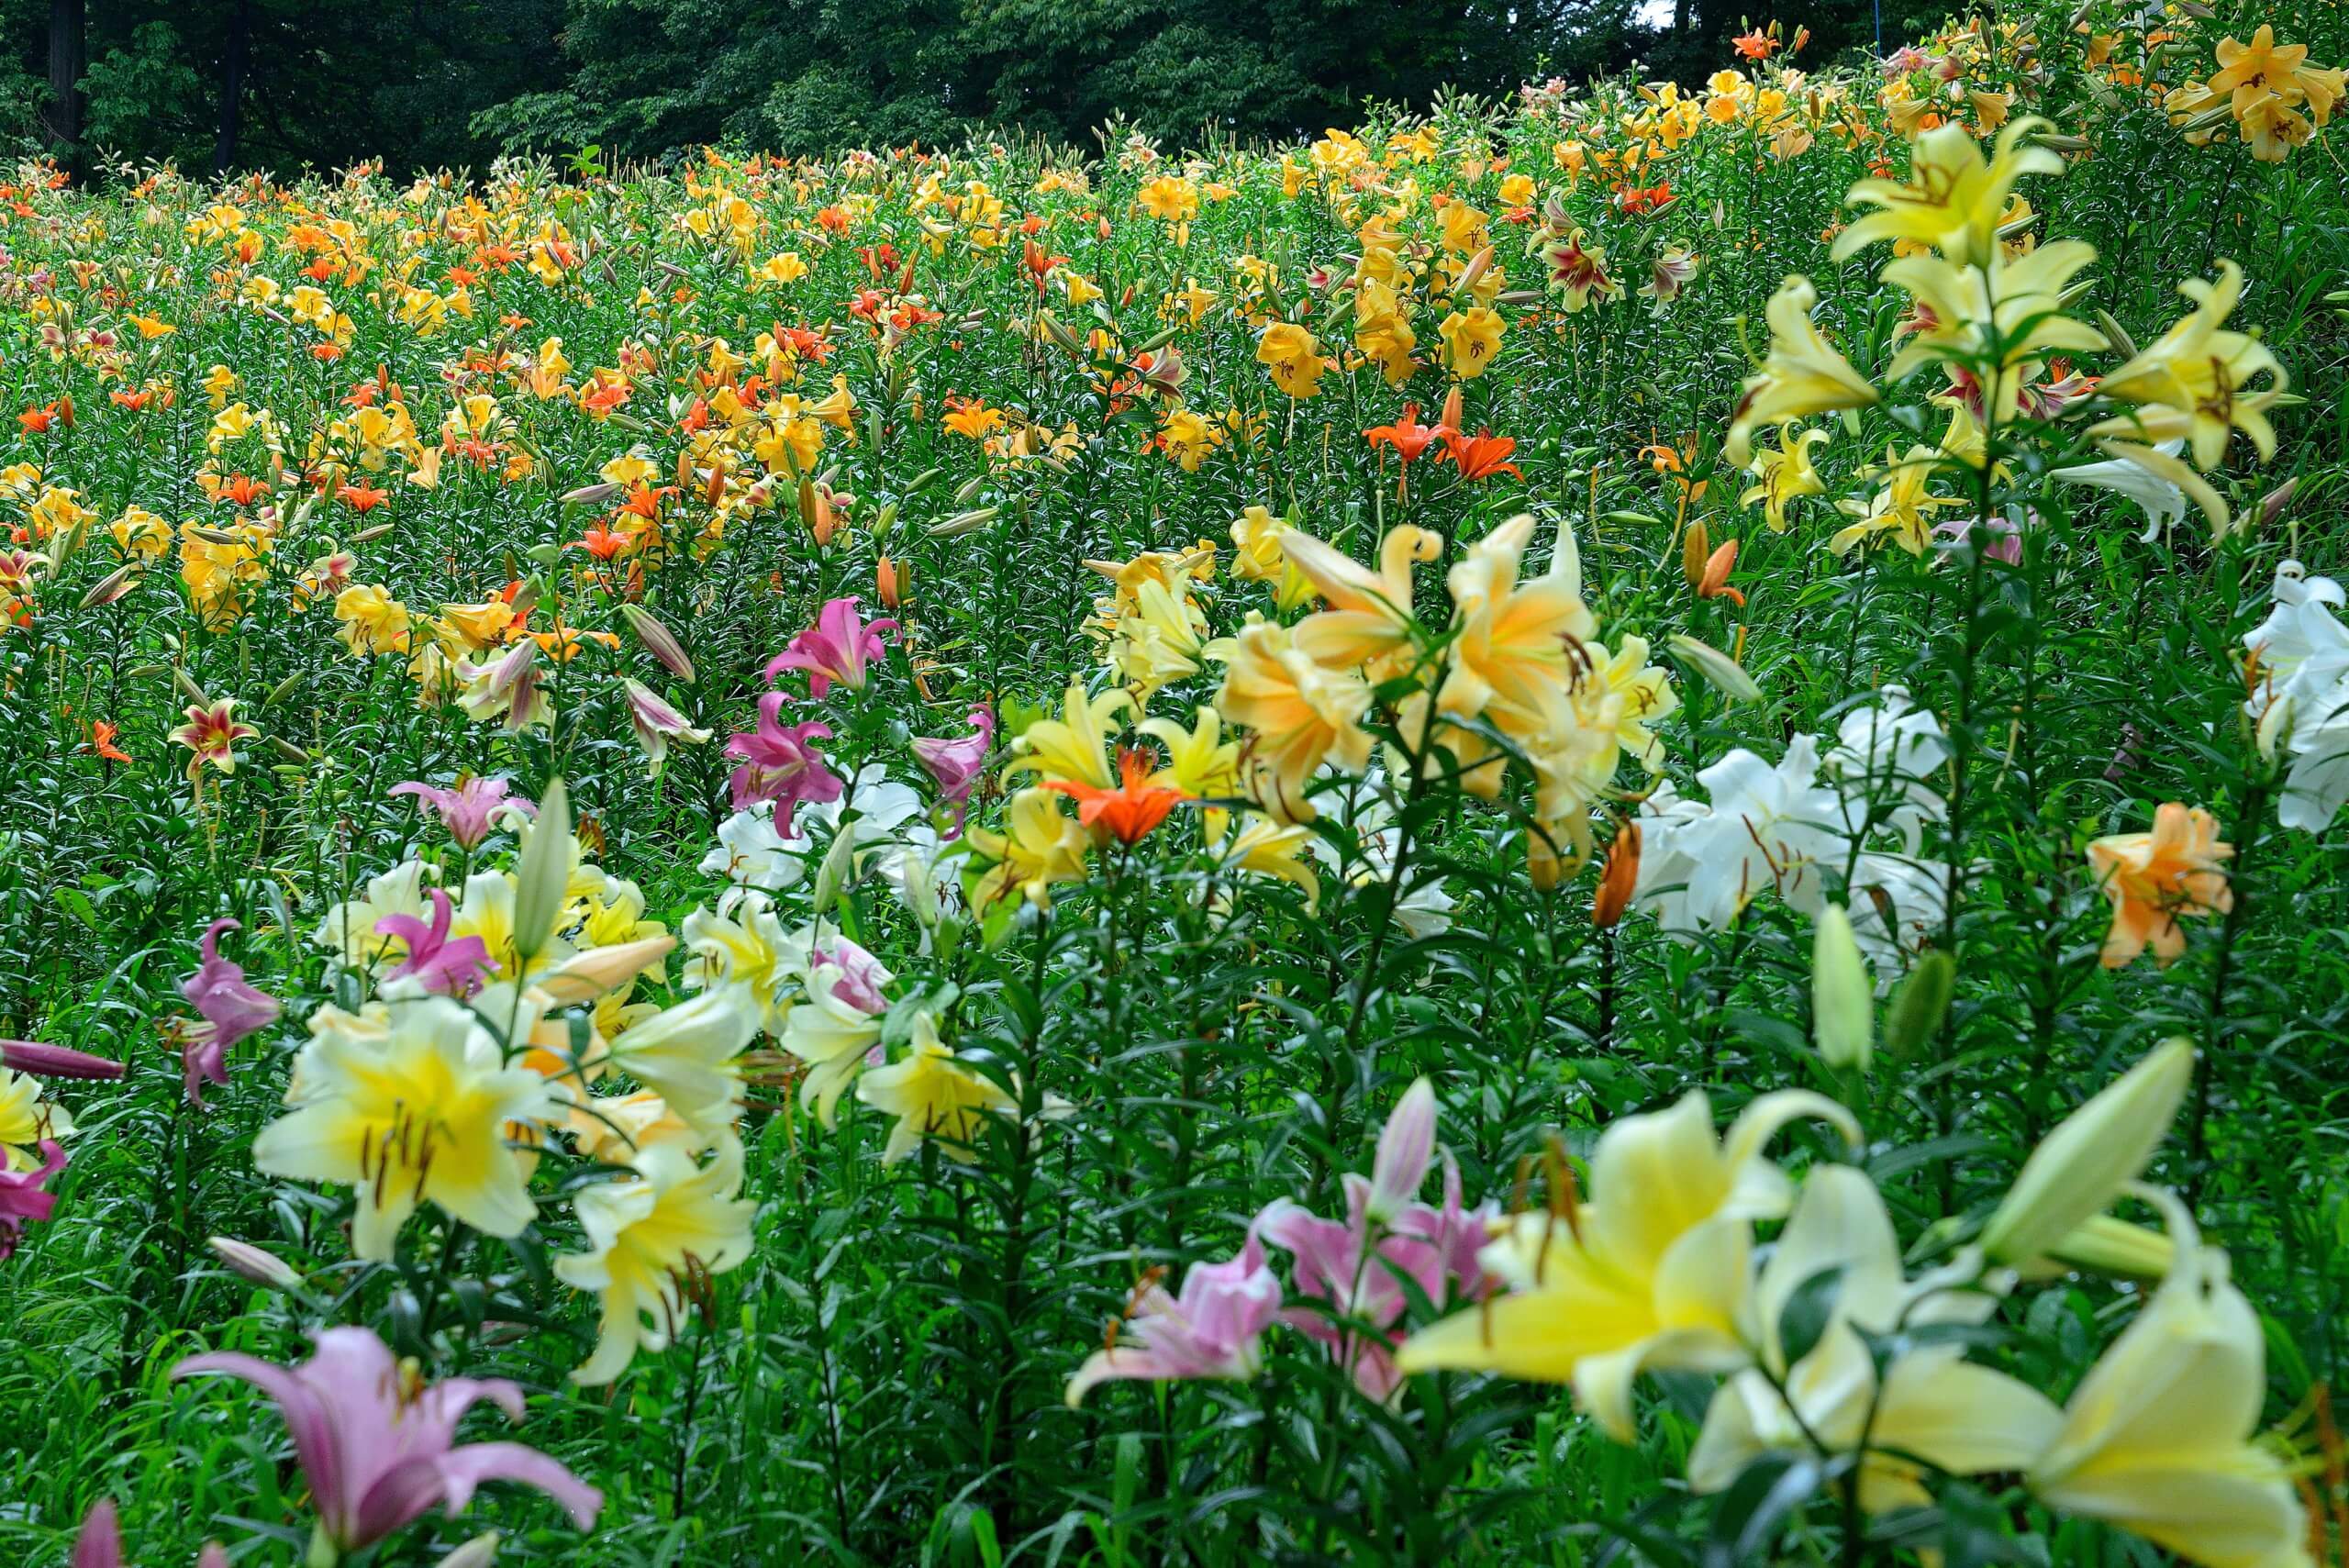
(1853,821)
(2300,697)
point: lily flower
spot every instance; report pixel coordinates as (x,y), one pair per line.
(656,722)
(2154,879)
(1355,1270)
(781,765)
(1214,1329)
(652,1237)
(1482,455)
(212,733)
(1130,811)
(1803,374)
(507,688)
(839,647)
(1652,1271)
(231,1010)
(1406,435)
(22,1200)
(469,808)
(440,966)
(957,762)
(379,1445)
(1927,1405)
(2156,1439)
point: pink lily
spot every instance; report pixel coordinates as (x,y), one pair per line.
(469,808)
(54,1061)
(780,764)
(836,648)
(858,976)
(21,1198)
(2005,541)
(957,762)
(1214,1329)
(1355,1271)
(231,1010)
(379,1447)
(100,1543)
(442,967)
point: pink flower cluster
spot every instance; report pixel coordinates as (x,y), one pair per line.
(1346,1278)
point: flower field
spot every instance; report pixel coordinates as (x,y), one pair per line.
(1595,829)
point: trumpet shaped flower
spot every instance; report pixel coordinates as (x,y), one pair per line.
(1214,1329)
(378,1445)
(1801,375)
(1955,198)
(840,647)
(412,1111)
(1652,1271)
(2156,1439)
(934,1097)
(2155,879)
(652,1237)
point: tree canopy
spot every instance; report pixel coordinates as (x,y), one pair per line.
(286,84)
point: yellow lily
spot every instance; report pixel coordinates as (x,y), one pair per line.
(1928,1406)
(1803,374)
(2157,1440)
(1652,1272)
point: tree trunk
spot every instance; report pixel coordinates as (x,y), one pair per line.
(65,62)
(232,88)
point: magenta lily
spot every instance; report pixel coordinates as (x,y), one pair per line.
(469,810)
(1214,1329)
(231,1010)
(956,763)
(442,967)
(100,1543)
(21,1198)
(380,1449)
(780,763)
(836,648)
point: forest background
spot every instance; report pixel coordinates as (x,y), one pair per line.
(284,85)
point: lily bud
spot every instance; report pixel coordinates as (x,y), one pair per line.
(1726,674)
(1842,997)
(2272,504)
(2274,724)
(2108,1246)
(963,523)
(601,971)
(1696,545)
(112,587)
(248,1261)
(542,873)
(837,869)
(658,642)
(1453,407)
(2078,1168)
(1618,880)
(1918,1005)
(889,581)
(478,1552)
(54,1061)
(1405,1147)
